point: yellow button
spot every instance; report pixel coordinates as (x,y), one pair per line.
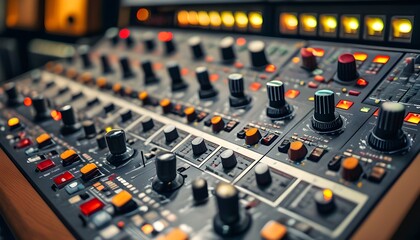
(273,230)
(176,234)
(101,82)
(143,95)
(88,168)
(67,154)
(121,198)
(350,163)
(165,102)
(43,138)
(12,122)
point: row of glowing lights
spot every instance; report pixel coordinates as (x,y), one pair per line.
(351,24)
(216,19)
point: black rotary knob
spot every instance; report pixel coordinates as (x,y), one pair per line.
(262,174)
(198,146)
(308,59)
(166,179)
(257,54)
(70,123)
(149,74)
(40,105)
(171,133)
(324,200)
(89,128)
(149,41)
(13,97)
(200,190)
(206,88)
(388,135)
(227,52)
(346,68)
(196,47)
(84,55)
(101,141)
(325,118)
(231,219)
(147,124)
(277,106)
(177,82)
(106,66)
(228,159)
(237,98)
(129,42)
(119,152)
(168,41)
(126,68)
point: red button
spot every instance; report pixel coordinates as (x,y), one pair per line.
(354,93)
(292,93)
(23,143)
(45,165)
(362,82)
(91,206)
(312,85)
(255,86)
(344,104)
(319,78)
(62,179)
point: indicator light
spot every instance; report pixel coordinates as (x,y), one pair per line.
(382,59)
(165,36)
(255,19)
(401,29)
(193,18)
(12,122)
(56,115)
(374,27)
(241,19)
(344,104)
(328,194)
(108,129)
(292,93)
(215,19)
(124,33)
(412,118)
(203,19)
(317,52)
(350,26)
(143,14)
(27,101)
(328,25)
(270,68)
(308,24)
(241,41)
(228,19)
(182,17)
(360,56)
(361,82)
(288,23)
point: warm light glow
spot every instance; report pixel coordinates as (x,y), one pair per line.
(350,24)
(308,22)
(165,36)
(241,41)
(374,26)
(401,28)
(124,33)
(192,18)
(56,115)
(288,22)
(108,129)
(360,56)
(329,23)
(203,18)
(21,13)
(27,101)
(13,122)
(270,68)
(382,59)
(143,14)
(215,19)
(328,194)
(228,19)
(255,19)
(317,52)
(182,17)
(241,19)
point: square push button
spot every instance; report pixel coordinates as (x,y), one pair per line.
(62,179)
(412,118)
(344,104)
(273,230)
(45,165)
(91,206)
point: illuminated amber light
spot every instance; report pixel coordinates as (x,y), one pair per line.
(215,19)
(203,18)
(328,194)
(374,26)
(147,229)
(143,14)
(13,122)
(270,68)
(292,93)
(412,118)
(288,22)
(255,19)
(361,82)
(22,13)
(228,19)
(56,115)
(401,28)
(360,56)
(165,36)
(101,82)
(182,17)
(241,19)
(317,52)
(344,104)
(193,18)
(381,59)
(329,23)
(308,22)
(143,95)
(27,101)
(350,24)
(108,129)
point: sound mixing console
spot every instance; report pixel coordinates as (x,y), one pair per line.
(176,134)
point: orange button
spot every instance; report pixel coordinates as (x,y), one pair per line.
(121,198)
(217,123)
(165,102)
(344,104)
(176,234)
(59,68)
(239,65)
(88,168)
(71,73)
(189,110)
(43,138)
(360,56)
(255,86)
(270,68)
(292,93)
(319,78)
(86,77)
(101,82)
(67,154)
(147,229)
(13,122)
(350,163)
(252,136)
(117,87)
(381,59)
(297,151)
(128,91)
(412,118)
(214,77)
(143,95)
(216,119)
(273,230)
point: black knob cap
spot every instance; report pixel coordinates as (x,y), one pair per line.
(228,159)
(171,133)
(106,67)
(149,41)
(126,68)
(177,82)
(112,35)
(101,141)
(116,141)
(149,73)
(409,67)
(277,105)
(257,54)
(206,88)
(68,117)
(84,54)
(126,115)
(388,134)
(325,117)
(200,190)
(13,97)
(237,97)
(198,146)
(262,174)
(196,47)
(346,68)
(167,39)
(89,128)
(147,124)
(166,167)
(227,51)
(129,42)
(40,104)
(324,200)
(308,59)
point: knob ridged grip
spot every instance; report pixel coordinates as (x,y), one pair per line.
(275,91)
(226,49)
(166,167)
(346,68)
(116,141)
(257,52)
(324,105)
(236,85)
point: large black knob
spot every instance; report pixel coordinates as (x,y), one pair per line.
(147,124)
(198,146)
(196,47)
(262,174)
(119,152)
(126,68)
(84,55)
(231,218)
(89,129)
(277,106)
(308,59)
(200,190)
(167,178)
(237,98)
(171,133)
(388,135)
(227,52)
(106,67)
(325,118)
(346,68)
(257,54)
(149,74)
(206,88)
(177,82)
(70,123)
(13,97)
(228,159)
(40,105)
